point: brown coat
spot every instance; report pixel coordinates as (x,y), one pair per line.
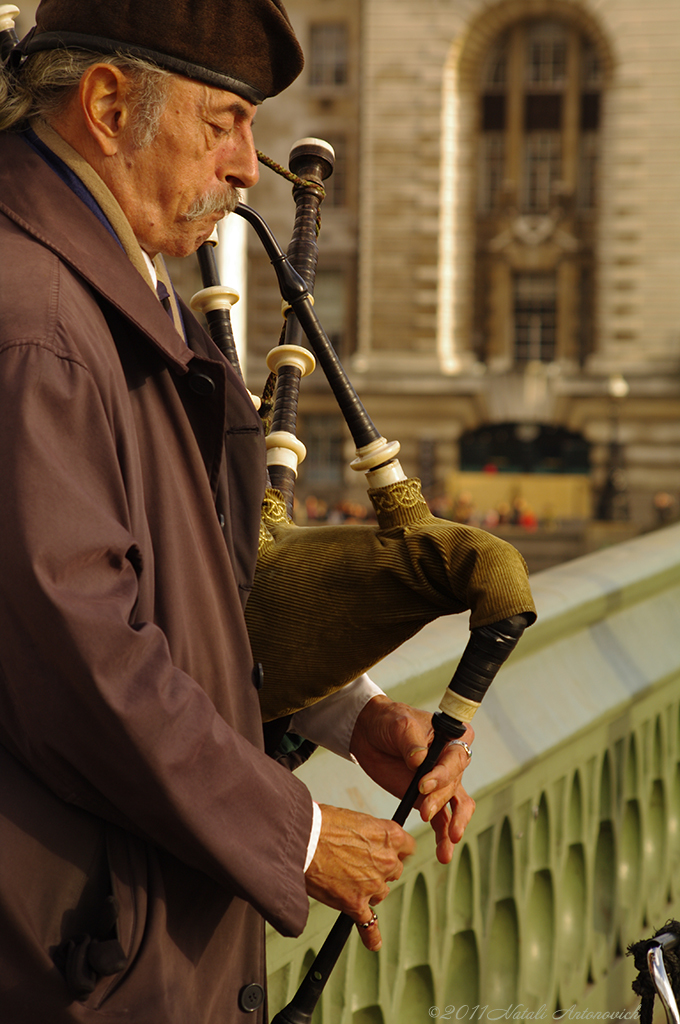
(130,736)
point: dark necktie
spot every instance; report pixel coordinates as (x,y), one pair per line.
(164,295)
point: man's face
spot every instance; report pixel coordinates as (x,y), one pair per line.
(174,190)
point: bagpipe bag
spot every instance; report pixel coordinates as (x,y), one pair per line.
(329,602)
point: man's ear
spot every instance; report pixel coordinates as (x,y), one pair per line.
(104,95)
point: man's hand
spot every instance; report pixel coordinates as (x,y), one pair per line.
(390,741)
(355,858)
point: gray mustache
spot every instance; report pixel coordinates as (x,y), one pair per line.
(219,200)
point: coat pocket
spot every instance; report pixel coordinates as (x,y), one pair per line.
(57,914)
(128,868)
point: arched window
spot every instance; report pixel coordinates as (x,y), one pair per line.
(539,123)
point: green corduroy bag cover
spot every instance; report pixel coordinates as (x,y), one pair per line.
(329,602)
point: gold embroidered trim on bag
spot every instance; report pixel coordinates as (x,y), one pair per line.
(273,514)
(265,539)
(399,504)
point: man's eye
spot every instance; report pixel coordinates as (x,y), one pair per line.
(220,131)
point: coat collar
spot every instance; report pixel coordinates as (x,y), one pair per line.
(35,198)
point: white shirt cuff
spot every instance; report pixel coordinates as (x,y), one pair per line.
(330,722)
(314,835)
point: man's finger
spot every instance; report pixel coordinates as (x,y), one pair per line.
(410,733)
(369,931)
(445,775)
(463,809)
(441,825)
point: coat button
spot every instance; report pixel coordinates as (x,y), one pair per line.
(202,384)
(251,997)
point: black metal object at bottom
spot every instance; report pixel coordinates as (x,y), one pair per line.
(658,963)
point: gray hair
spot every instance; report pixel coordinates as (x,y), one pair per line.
(47,80)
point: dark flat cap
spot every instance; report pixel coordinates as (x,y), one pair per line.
(245,46)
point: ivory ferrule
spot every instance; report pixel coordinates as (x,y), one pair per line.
(8,12)
(217,296)
(392,473)
(291,355)
(284,449)
(373,455)
(458,707)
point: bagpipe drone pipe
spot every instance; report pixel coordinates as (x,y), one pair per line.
(328,602)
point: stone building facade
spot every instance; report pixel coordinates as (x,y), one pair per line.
(501,245)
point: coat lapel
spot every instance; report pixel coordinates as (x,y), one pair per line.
(60,221)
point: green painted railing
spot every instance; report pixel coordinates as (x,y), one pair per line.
(574,848)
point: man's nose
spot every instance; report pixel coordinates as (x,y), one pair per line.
(242,170)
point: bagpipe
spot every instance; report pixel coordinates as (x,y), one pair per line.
(329,602)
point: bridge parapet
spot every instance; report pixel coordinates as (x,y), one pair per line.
(574,848)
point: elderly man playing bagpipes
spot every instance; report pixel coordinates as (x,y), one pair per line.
(145,834)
